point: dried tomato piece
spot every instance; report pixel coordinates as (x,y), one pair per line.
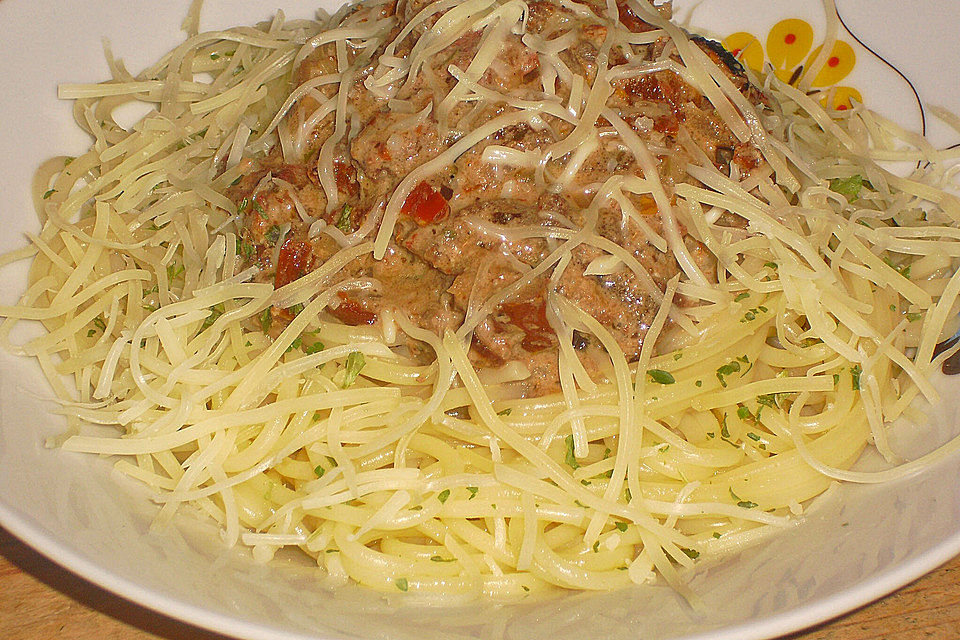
(425,204)
(351,312)
(530,316)
(346,177)
(294,261)
(631,20)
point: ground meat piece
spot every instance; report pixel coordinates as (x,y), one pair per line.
(480,221)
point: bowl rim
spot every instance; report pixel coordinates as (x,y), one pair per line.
(795,619)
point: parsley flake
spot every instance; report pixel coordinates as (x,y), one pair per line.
(343,222)
(731,367)
(848,187)
(266,320)
(570,458)
(660,376)
(355,363)
(855,372)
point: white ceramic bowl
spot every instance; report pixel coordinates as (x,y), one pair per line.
(860,545)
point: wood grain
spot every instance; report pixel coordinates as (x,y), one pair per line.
(40,600)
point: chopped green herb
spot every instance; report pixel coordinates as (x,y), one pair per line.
(245,249)
(266,320)
(332,551)
(762,308)
(586,483)
(678,355)
(473,492)
(698,383)
(296,344)
(627,496)
(259,208)
(596,547)
(243,205)
(724,431)
(570,458)
(354,365)
(443,495)
(693,554)
(91,332)
(743,413)
(660,376)
(711,434)
(272,235)
(401,584)
(343,222)
(731,367)
(68,160)
(505,412)
(767,400)
(902,270)
(753,436)
(836,379)
(215,312)
(441,559)
(621,526)
(742,296)
(49,193)
(100,323)
(579,504)
(913,317)
(716,535)
(525,587)
(848,187)
(319,470)
(855,372)
(174,270)
(746,504)
(770,265)
(316,347)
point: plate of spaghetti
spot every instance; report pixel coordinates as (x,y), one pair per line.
(484,318)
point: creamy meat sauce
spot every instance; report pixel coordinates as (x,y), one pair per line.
(466,231)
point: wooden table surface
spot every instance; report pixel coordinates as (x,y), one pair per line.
(41,601)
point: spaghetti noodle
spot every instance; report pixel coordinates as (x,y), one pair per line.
(809,290)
